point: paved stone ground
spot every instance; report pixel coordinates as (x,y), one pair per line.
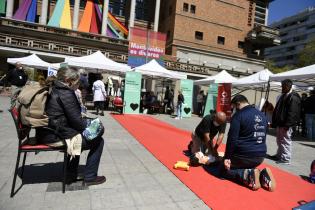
(135,179)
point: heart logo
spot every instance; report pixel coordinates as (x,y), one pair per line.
(134,106)
(186,110)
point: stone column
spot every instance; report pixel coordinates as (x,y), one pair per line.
(43,15)
(10,6)
(132,14)
(156,15)
(104,19)
(76,11)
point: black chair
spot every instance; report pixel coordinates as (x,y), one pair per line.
(26,144)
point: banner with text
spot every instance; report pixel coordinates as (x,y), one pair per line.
(186,86)
(224,99)
(132,92)
(145,45)
(211,103)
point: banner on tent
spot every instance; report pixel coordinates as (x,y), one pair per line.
(211,102)
(187,90)
(145,45)
(51,72)
(224,99)
(132,92)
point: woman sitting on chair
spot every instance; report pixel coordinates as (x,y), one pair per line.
(64,113)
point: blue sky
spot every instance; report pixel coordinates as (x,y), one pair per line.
(279,9)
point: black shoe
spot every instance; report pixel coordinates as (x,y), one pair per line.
(102,114)
(273,157)
(267,180)
(96,181)
(285,162)
(71,178)
(251,178)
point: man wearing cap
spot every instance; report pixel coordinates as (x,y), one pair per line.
(285,116)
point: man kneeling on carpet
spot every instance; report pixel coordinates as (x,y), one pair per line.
(246,147)
(202,147)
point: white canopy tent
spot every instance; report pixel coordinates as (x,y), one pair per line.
(31,60)
(305,75)
(221,77)
(97,62)
(154,69)
(258,79)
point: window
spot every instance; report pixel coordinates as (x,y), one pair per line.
(221,40)
(198,35)
(240,44)
(192,9)
(185,7)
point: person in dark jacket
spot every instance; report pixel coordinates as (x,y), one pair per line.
(309,109)
(285,116)
(180,101)
(246,147)
(64,113)
(17,78)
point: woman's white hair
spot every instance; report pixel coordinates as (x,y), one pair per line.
(65,74)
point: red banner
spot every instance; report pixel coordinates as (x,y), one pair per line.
(224,99)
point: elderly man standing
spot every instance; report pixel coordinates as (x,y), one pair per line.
(285,116)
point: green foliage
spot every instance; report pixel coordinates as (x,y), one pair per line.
(307,55)
(276,69)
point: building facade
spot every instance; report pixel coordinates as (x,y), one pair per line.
(203,37)
(295,32)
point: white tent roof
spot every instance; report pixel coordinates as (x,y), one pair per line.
(259,78)
(221,77)
(31,60)
(153,68)
(97,61)
(305,74)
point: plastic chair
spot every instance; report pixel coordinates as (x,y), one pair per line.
(118,104)
(25,145)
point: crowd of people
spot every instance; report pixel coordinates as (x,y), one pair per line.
(246,140)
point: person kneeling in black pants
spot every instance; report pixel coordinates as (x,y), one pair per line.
(246,147)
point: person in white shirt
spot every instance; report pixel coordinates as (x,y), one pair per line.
(99,95)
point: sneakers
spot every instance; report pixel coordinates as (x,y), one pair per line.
(251,178)
(285,162)
(176,118)
(267,180)
(273,157)
(96,181)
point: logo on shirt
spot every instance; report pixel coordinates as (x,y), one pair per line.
(258,118)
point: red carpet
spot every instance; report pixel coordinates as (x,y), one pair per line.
(167,143)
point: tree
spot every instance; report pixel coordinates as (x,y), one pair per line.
(276,69)
(307,55)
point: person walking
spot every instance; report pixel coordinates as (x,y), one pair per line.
(180,101)
(285,116)
(99,95)
(309,109)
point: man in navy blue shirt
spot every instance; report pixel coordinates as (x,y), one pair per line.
(246,147)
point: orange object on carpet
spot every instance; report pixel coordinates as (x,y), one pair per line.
(167,143)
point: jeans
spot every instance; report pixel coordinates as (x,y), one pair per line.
(238,167)
(93,159)
(310,126)
(284,142)
(179,110)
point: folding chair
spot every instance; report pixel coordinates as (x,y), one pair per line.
(25,145)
